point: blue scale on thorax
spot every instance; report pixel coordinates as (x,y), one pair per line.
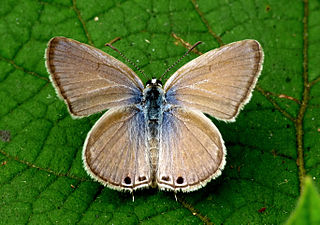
(153,107)
(153,104)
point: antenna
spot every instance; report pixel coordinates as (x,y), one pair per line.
(128,60)
(185,54)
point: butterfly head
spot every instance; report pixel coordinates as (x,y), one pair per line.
(154,83)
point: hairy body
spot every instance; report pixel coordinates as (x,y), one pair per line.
(153,107)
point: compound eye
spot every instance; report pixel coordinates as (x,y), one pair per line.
(148,83)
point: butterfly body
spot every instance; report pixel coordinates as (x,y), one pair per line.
(153,104)
(154,136)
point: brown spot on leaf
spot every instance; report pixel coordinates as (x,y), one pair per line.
(268,8)
(5,135)
(262,210)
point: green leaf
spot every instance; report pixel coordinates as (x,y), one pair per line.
(308,208)
(273,144)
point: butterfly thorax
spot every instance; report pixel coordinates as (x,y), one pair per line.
(153,103)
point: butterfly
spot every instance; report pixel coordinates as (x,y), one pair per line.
(154,135)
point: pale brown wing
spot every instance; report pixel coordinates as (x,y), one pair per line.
(218,82)
(88,79)
(191,153)
(115,152)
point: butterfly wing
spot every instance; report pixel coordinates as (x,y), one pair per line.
(115,152)
(88,79)
(218,82)
(191,153)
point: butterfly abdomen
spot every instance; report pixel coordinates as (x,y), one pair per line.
(153,111)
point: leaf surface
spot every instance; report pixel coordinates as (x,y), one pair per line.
(272,145)
(307,210)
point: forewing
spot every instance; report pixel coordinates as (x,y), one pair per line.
(115,152)
(191,153)
(88,79)
(218,82)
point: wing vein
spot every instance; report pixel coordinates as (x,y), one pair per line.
(195,137)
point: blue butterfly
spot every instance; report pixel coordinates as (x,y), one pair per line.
(154,135)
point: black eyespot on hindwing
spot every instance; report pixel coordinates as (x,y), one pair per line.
(180,180)
(127,180)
